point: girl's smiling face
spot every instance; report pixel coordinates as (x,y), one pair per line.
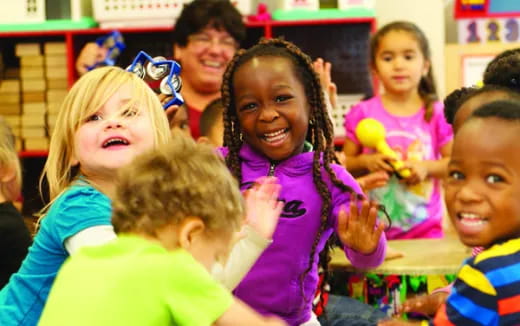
(272,106)
(112,137)
(482,190)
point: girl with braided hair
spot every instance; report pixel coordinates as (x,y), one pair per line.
(276,123)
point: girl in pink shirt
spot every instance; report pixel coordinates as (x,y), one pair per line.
(415,129)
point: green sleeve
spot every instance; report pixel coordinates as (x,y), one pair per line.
(193,296)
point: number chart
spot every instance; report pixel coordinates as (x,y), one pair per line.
(488,21)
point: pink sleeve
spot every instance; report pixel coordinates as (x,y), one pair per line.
(352,119)
(443,131)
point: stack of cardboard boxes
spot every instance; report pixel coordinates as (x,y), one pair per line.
(56,77)
(32,77)
(31,96)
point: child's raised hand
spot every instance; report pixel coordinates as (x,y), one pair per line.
(426,304)
(357,229)
(262,206)
(90,55)
(323,69)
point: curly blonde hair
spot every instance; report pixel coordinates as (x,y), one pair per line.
(9,160)
(182,179)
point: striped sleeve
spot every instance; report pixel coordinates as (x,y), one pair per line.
(487,289)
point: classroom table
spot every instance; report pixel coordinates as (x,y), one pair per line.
(420,257)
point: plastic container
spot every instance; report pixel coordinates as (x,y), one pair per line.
(136,13)
(22,11)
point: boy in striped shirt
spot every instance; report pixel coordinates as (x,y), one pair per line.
(482,193)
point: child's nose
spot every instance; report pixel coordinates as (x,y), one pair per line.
(398,63)
(113,122)
(468,193)
(268,113)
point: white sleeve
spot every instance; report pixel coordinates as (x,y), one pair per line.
(242,257)
(92,236)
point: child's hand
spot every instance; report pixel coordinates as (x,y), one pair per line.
(398,322)
(377,162)
(89,56)
(323,68)
(171,110)
(373,180)
(418,171)
(342,158)
(426,304)
(358,230)
(262,206)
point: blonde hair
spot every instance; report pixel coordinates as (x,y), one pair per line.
(85,98)
(9,160)
(182,179)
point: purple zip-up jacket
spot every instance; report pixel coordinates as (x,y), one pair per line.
(273,284)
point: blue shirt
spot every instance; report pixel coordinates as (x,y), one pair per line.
(79,207)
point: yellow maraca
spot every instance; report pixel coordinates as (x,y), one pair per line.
(371,133)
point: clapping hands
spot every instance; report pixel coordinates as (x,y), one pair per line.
(262,206)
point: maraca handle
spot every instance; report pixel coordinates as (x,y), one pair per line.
(383,148)
(398,167)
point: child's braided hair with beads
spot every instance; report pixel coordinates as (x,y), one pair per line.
(320,130)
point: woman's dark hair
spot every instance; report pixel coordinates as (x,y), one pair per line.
(320,133)
(427,89)
(220,14)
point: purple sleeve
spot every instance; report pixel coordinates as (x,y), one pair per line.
(222,151)
(341,198)
(352,119)
(444,132)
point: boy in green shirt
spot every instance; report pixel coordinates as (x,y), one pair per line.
(173,224)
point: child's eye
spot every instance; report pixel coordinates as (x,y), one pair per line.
(282,98)
(493,178)
(409,56)
(247,106)
(94,117)
(130,112)
(456,175)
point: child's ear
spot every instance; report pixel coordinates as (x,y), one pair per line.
(426,68)
(203,140)
(189,231)
(10,186)
(73,161)
(177,52)
(7,174)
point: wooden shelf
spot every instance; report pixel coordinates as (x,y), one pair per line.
(26,154)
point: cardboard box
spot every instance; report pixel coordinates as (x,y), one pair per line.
(24,49)
(54,48)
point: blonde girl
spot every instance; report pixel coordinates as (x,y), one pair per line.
(108,117)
